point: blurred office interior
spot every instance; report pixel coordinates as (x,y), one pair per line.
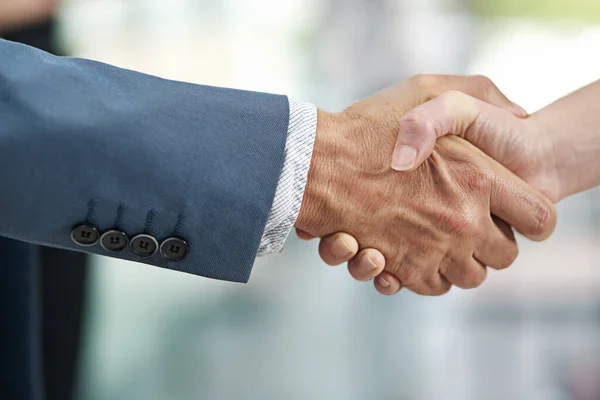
(301,330)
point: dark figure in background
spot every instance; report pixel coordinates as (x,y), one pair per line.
(57,310)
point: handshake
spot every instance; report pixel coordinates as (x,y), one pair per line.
(428,211)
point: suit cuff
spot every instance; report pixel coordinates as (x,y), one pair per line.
(302,129)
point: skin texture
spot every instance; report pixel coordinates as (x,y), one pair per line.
(17,13)
(514,142)
(434,225)
(366,263)
(557,149)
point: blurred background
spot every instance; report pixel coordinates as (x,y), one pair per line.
(299,329)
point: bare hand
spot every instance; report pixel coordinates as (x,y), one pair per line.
(434,226)
(341,247)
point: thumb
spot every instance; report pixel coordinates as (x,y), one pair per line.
(452,113)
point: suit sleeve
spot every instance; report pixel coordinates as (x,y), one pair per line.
(170,174)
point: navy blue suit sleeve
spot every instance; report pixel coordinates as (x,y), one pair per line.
(85,142)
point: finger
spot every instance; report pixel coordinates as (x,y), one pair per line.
(521,205)
(468,275)
(492,129)
(434,285)
(387,284)
(511,199)
(498,249)
(337,248)
(304,235)
(366,265)
(479,87)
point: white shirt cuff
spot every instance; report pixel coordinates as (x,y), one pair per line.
(302,130)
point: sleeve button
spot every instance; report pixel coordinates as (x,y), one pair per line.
(85,235)
(174,249)
(144,245)
(114,240)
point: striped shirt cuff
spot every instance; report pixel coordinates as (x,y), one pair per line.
(302,130)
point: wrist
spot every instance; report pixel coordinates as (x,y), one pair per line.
(321,209)
(548,177)
(314,202)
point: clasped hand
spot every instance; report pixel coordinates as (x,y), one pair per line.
(447,215)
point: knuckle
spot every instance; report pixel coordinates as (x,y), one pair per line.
(544,219)
(508,258)
(417,123)
(484,82)
(478,183)
(486,87)
(423,81)
(442,289)
(408,274)
(461,273)
(450,261)
(413,116)
(479,180)
(459,221)
(471,279)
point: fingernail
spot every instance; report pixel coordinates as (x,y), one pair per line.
(368,263)
(404,158)
(341,247)
(383,282)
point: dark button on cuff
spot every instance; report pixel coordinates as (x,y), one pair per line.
(114,240)
(173,249)
(144,245)
(85,235)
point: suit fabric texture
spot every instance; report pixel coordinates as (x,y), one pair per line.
(82,142)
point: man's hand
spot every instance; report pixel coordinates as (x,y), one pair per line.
(434,226)
(338,248)
(555,149)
